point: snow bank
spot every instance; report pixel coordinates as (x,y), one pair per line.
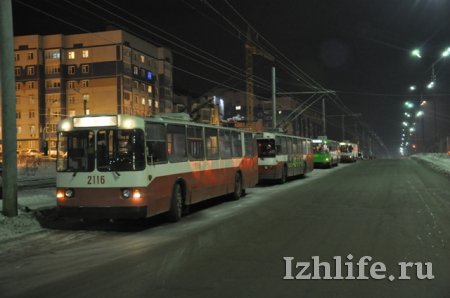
(13,227)
(438,161)
(30,201)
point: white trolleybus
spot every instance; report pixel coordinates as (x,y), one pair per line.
(121,166)
(281,156)
(349,151)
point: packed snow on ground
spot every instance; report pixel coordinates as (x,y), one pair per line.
(439,161)
(30,201)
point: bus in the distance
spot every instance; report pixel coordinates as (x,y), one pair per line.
(122,166)
(281,156)
(348,151)
(326,153)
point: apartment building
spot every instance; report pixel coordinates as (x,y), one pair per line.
(92,73)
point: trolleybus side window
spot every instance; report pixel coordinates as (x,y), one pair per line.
(288,145)
(236,143)
(195,143)
(156,143)
(225,143)
(176,143)
(212,143)
(248,143)
(294,146)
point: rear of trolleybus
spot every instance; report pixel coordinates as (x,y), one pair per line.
(101,167)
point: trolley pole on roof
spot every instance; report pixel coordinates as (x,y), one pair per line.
(8,98)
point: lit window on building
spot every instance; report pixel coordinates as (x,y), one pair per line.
(71,55)
(238,108)
(72,113)
(86,97)
(150,89)
(136,84)
(85,68)
(88,112)
(142,59)
(71,69)
(85,54)
(149,75)
(135,70)
(84,83)
(19,129)
(30,55)
(143,100)
(156,104)
(149,102)
(32,130)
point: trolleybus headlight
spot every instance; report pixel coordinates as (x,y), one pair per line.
(69,193)
(60,194)
(136,194)
(126,193)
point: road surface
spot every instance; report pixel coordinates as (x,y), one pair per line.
(390,210)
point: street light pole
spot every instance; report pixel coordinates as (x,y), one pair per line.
(8,98)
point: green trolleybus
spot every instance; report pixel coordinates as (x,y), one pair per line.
(326,153)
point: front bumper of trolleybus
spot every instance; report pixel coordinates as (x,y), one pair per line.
(112,203)
(132,212)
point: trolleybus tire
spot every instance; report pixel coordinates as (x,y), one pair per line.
(176,204)
(238,190)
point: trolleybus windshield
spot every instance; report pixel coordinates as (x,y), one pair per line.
(266,148)
(114,149)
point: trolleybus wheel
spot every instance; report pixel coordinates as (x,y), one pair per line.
(176,204)
(238,191)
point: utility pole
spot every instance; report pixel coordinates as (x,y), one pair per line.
(274,100)
(8,98)
(324,121)
(252,49)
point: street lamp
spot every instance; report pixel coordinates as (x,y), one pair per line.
(409,105)
(416,53)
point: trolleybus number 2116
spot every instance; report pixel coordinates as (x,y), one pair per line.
(121,166)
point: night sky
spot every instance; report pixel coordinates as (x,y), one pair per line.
(360,48)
